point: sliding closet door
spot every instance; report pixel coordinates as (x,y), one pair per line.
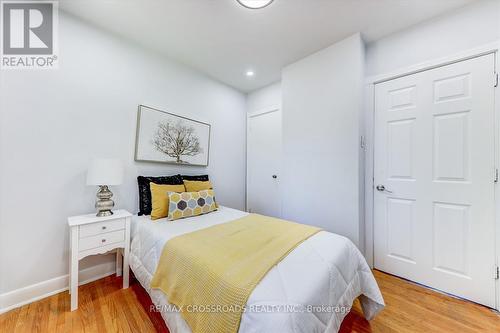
(434,178)
(263,163)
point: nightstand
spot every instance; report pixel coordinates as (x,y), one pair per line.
(90,235)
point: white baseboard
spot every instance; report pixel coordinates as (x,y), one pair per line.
(19,297)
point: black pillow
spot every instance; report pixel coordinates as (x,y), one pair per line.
(199,178)
(145,190)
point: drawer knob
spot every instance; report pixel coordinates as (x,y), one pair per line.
(104,241)
(104,228)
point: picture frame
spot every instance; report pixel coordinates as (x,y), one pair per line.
(164,137)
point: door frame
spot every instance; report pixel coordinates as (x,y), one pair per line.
(369,116)
(260,112)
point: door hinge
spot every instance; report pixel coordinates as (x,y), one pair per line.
(497,272)
(495,80)
(496,175)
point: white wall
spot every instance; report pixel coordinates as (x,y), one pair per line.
(460,30)
(264,98)
(53,122)
(322,102)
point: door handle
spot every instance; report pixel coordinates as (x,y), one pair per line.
(275,176)
(381,188)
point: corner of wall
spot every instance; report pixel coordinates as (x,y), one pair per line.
(362,152)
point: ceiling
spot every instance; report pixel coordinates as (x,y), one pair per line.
(224,40)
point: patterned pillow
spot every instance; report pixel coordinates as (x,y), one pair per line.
(159,199)
(189,204)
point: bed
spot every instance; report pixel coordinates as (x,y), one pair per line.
(311,290)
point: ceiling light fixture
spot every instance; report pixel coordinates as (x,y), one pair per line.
(255,4)
(250,73)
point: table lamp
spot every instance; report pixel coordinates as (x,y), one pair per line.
(104,172)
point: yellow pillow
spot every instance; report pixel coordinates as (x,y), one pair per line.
(196,186)
(159,199)
(189,204)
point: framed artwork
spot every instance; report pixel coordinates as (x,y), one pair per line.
(168,138)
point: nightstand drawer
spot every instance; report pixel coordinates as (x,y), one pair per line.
(101,227)
(92,242)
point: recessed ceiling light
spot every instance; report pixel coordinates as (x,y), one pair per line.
(250,73)
(255,4)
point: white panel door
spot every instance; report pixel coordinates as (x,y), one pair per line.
(263,160)
(434,178)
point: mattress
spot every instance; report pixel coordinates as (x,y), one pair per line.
(311,290)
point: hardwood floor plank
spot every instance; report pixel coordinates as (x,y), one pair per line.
(40,321)
(63,320)
(97,308)
(105,307)
(106,314)
(9,322)
(120,320)
(21,324)
(53,314)
(138,313)
(87,313)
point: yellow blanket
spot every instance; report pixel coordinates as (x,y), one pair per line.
(209,274)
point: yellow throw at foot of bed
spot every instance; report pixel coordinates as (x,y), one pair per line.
(209,274)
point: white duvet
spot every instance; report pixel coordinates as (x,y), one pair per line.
(306,292)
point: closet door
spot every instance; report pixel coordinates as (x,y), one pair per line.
(434,178)
(263,163)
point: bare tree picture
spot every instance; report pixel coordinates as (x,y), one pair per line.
(169,138)
(176,140)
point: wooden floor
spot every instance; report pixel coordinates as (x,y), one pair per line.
(412,308)
(104,307)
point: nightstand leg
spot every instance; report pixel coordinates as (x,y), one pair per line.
(74,269)
(125,271)
(119,262)
(126,251)
(70,256)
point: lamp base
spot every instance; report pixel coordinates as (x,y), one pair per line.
(104,204)
(104,213)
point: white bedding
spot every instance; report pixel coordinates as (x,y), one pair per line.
(325,270)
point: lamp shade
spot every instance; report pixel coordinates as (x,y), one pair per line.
(105,171)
